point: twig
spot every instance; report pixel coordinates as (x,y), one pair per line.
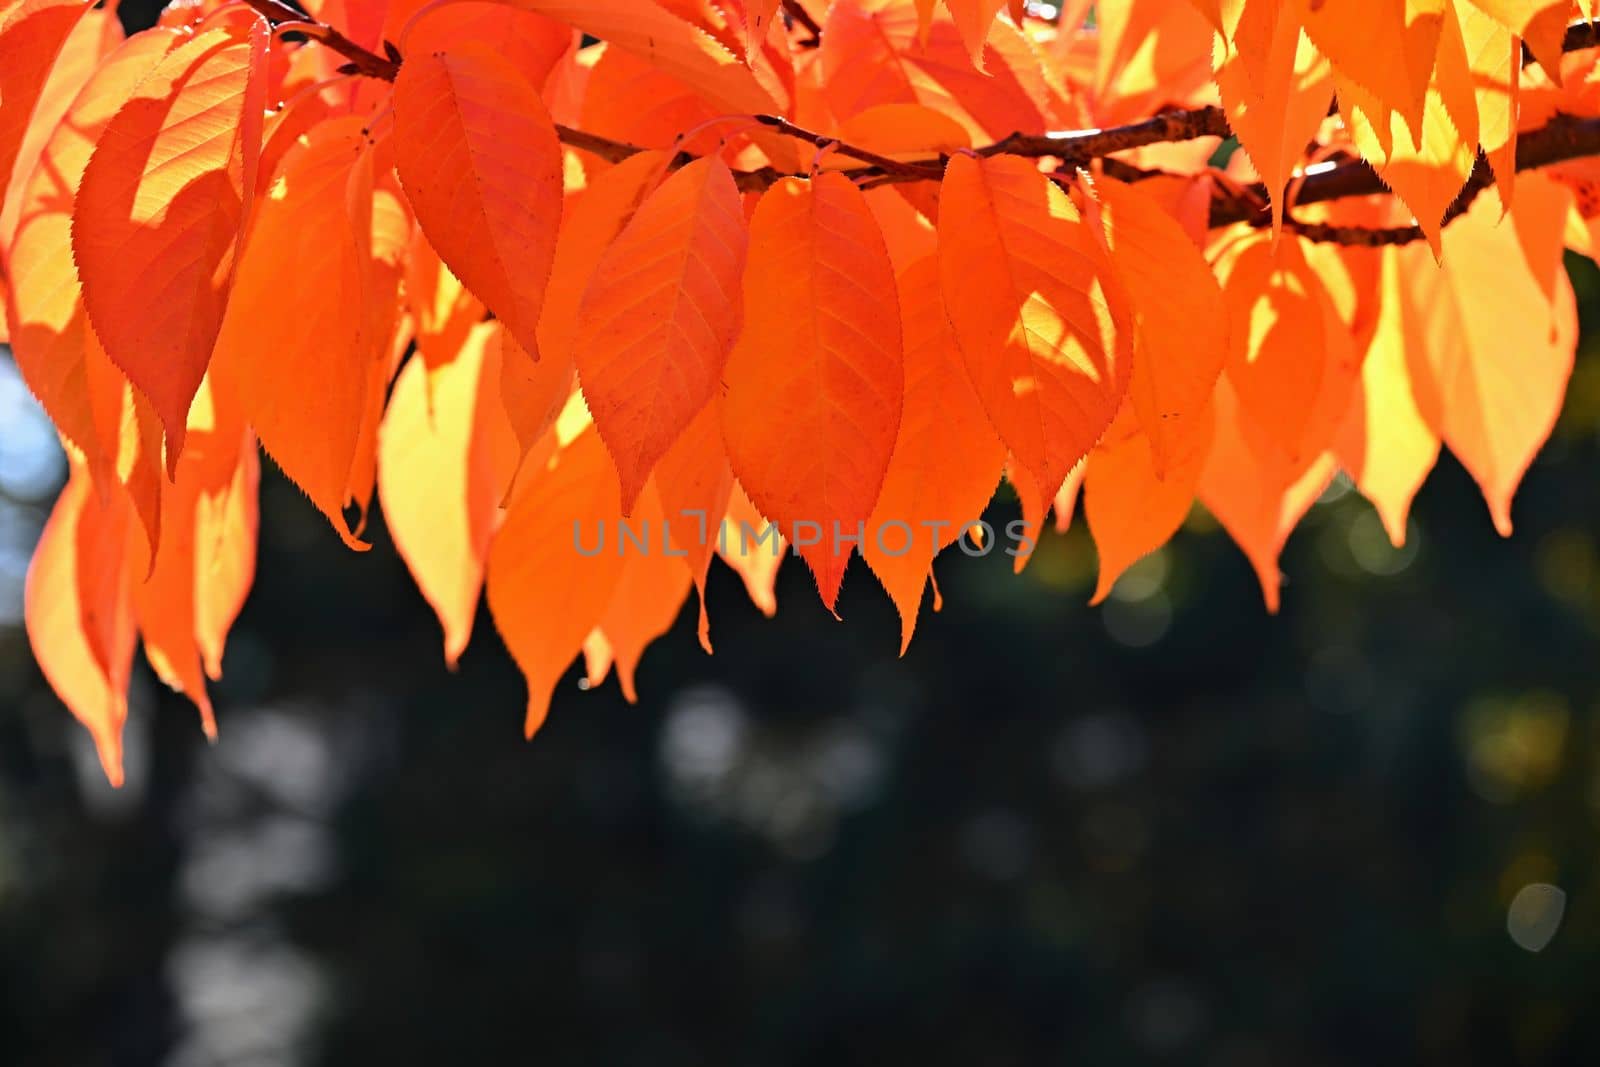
(796,11)
(932,170)
(1563,138)
(1076,147)
(362,61)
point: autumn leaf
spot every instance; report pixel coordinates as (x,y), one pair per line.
(443,309)
(306,251)
(1385,444)
(1493,399)
(973,19)
(818,293)
(754,549)
(659,317)
(947,459)
(32,33)
(1258,498)
(1540,23)
(648,596)
(446,455)
(95,35)
(159,213)
(1279,353)
(1180,331)
(694,483)
(759,15)
(676,47)
(1387,47)
(79,614)
(534,44)
(815,384)
(1049,356)
(478,156)
(58,355)
(551,570)
(1275,88)
(1131,507)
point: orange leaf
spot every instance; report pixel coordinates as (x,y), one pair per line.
(95,37)
(947,459)
(534,393)
(681,50)
(590,221)
(1540,23)
(659,317)
(127,437)
(973,18)
(442,470)
(532,43)
(1180,328)
(203,569)
(627,98)
(872,53)
(32,33)
(225,557)
(694,482)
(1048,353)
(442,308)
(1275,88)
(303,377)
(374,192)
(480,162)
(648,596)
(1148,56)
(58,355)
(1132,508)
(1279,357)
(1500,322)
(1258,500)
(1387,47)
(159,214)
(753,549)
(1495,55)
(815,384)
(1426,178)
(759,15)
(548,584)
(78,612)
(1385,444)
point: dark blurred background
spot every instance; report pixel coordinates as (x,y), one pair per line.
(1170,830)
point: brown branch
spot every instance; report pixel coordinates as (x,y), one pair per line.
(1563,138)
(362,61)
(1078,147)
(796,11)
(931,170)
(604,147)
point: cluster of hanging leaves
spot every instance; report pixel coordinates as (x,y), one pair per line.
(538,272)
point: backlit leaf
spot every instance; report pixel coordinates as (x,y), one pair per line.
(947,459)
(1049,356)
(815,384)
(479,159)
(159,213)
(659,317)
(553,566)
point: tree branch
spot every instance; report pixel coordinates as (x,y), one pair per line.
(1563,138)
(796,11)
(932,170)
(278,13)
